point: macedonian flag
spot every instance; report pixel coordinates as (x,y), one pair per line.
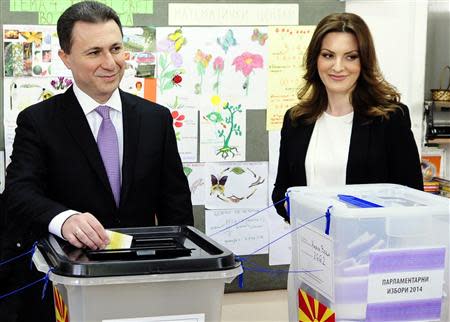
(311,310)
(62,314)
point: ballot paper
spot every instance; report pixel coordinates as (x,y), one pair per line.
(118,240)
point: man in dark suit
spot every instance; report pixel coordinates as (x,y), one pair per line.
(92,157)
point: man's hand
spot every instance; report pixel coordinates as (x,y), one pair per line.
(84,230)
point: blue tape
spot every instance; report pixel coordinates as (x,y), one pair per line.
(328,218)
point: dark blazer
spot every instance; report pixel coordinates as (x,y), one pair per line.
(56,166)
(381,151)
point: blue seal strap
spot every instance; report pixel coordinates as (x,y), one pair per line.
(358,202)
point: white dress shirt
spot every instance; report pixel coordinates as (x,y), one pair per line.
(327,155)
(88,104)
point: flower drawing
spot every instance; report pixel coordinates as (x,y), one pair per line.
(202,59)
(178,118)
(245,63)
(218,66)
(170,61)
(226,126)
(61,83)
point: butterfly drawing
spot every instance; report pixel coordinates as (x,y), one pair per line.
(177,38)
(218,185)
(259,36)
(32,36)
(227,41)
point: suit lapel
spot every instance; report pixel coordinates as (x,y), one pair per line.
(131,126)
(357,164)
(81,132)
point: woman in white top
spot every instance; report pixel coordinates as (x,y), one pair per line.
(349,126)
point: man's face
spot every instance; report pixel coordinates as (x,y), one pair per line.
(96,58)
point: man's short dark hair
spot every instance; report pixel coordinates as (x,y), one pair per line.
(87,11)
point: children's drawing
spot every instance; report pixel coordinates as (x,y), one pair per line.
(223,128)
(61,83)
(185,125)
(218,185)
(139,45)
(206,61)
(178,119)
(245,63)
(259,36)
(195,172)
(202,60)
(238,230)
(237,185)
(133,85)
(218,66)
(227,41)
(32,51)
(226,127)
(170,61)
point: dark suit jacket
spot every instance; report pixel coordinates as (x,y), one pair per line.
(381,151)
(56,166)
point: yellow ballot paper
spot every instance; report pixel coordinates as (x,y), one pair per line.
(118,240)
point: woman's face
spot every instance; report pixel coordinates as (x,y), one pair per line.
(338,64)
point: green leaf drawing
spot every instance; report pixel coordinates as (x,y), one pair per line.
(237,170)
(187,171)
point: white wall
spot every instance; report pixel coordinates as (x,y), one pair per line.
(399,29)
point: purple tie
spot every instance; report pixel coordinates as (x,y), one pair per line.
(108,146)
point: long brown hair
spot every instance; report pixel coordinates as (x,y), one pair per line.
(372,96)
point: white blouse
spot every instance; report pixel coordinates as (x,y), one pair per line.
(327,155)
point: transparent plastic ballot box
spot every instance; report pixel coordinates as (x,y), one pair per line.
(169,271)
(374,252)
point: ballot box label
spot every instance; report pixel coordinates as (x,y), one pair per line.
(166,318)
(316,260)
(405,284)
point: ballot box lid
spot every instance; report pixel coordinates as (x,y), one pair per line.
(154,250)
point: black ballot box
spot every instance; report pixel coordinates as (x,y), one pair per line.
(169,273)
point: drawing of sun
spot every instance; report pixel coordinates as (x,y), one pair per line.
(311,310)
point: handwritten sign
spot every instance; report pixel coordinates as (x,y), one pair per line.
(287,47)
(231,229)
(316,254)
(50,10)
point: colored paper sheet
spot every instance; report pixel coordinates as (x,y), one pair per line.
(195,172)
(287,47)
(49,10)
(236,185)
(118,240)
(236,231)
